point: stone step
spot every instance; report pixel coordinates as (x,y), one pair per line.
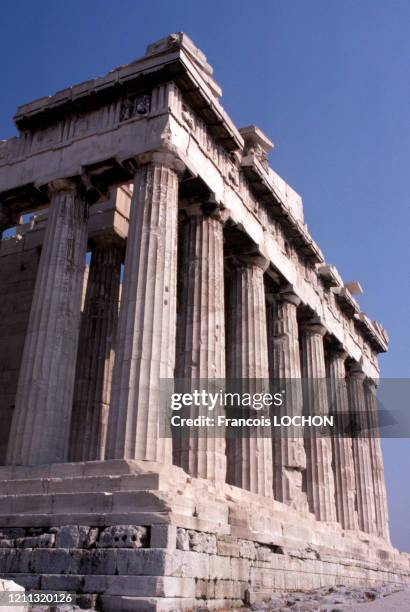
(115,603)
(84,503)
(95,519)
(113,467)
(143,586)
(95,562)
(136,593)
(99,500)
(81,484)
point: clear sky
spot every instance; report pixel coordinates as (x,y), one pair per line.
(329,83)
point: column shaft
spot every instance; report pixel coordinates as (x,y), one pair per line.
(376,458)
(145,351)
(361,453)
(343,466)
(249,456)
(95,355)
(201,337)
(289,458)
(41,421)
(319,475)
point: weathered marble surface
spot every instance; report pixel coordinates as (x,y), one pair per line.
(289,456)
(147,321)
(39,432)
(128,535)
(200,352)
(249,454)
(134,531)
(102,140)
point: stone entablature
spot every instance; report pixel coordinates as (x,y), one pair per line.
(131,113)
(107,218)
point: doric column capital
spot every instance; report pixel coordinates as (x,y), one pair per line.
(371,384)
(314,325)
(82,186)
(287,294)
(207,207)
(69,185)
(253,260)
(338,353)
(356,371)
(165,157)
(215,210)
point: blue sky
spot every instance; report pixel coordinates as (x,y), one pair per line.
(329,82)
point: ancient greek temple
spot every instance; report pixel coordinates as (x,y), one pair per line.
(145,237)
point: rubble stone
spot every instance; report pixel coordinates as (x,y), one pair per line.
(123,536)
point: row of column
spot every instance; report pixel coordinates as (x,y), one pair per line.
(300,472)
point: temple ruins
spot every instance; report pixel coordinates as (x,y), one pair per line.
(199,266)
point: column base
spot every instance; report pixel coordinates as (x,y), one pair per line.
(135,535)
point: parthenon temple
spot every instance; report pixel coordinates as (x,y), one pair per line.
(144,238)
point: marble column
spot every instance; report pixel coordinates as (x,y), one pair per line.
(319,474)
(361,451)
(41,420)
(289,458)
(96,353)
(145,347)
(376,458)
(201,334)
(249,456)
(343,466)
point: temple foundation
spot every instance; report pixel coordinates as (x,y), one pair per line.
(130,541)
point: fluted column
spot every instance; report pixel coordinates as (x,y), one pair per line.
(319,475)
(361,451)
(289,458)
(95,354)
(249,456)
(376,458)
(201,334)
(145,347)
(41,420)
(343,466)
